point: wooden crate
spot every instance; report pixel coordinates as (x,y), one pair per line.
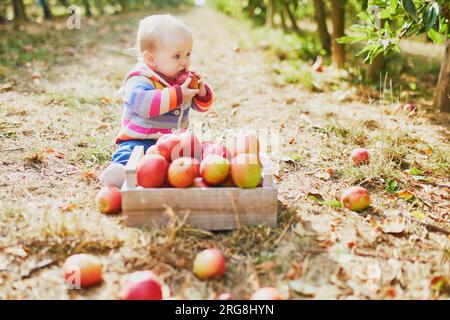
(207,208)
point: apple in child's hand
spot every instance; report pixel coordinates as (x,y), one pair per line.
(189,146)
(182,172)
(142,285)
(82,271)
(109,199)
(360,156)
(214,169)
(200,183)
(215,148)
(151,171)
(209,263)
(244,143)
(186,74)
(166,145)
(246,170)
(266,293)
(356,199)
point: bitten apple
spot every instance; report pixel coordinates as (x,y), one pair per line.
(182,172)
(209,263)
(82,271)
(360,156)
(151,171)
(142,285)
(109,199)
(186,74)
(267,293)
(246,170)
(356,199)
(214,169)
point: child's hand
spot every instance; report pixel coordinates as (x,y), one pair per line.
(186,92)
(201,84)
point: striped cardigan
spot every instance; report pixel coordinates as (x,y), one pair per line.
(153,107)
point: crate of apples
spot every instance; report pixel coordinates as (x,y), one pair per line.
(219,187)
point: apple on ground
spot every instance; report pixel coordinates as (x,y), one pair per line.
(151,171)
(356,199)
(109,199)
(266,293)
(142,285)
(209,263)
(360,156)
(246,170)
(166,145)
(82,271)
(214,169)
(182,172)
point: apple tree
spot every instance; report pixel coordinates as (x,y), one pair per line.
(386,22)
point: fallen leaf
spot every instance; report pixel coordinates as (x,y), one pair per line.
(292,141)
(404,194)
(89,175)
(68,207)
(418,215)
(324,175)
(17,251)
(105,100)
(315,196)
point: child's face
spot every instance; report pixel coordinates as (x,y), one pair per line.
(172,56)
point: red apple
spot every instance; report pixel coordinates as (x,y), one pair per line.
(189,146)
(360,156)
(214,169)
(151,171)
(215,148)
(142,285)
(246,170)
(209,263)
(266,293)
(82,271)
(182,172)
(152,150)
(196,166)
(186,74)
(244,143)
(200,183)
(109,199)
(356,199)
(166,145)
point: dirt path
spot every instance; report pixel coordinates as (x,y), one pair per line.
(58,138)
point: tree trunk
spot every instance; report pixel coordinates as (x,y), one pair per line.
(321,20)
(87,6)
(47,12)
(280,8)
(291,15)
(270,13)
(442,96)
(338,16)
(19,10)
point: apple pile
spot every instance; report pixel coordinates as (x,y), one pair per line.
(182,161)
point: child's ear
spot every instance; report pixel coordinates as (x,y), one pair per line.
(148,59)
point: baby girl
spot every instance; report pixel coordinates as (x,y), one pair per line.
(154,103)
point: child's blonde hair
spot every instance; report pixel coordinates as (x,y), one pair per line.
(154,28)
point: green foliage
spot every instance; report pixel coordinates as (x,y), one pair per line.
(388,21)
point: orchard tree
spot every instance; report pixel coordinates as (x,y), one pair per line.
(391,20)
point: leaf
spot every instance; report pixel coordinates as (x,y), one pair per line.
(324,175)
(315,196)
(404,194)
(409,6)
(332,203)
(415,172)
(418,215)
(68,207)
(430,16)
(392,186)
(435,36)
